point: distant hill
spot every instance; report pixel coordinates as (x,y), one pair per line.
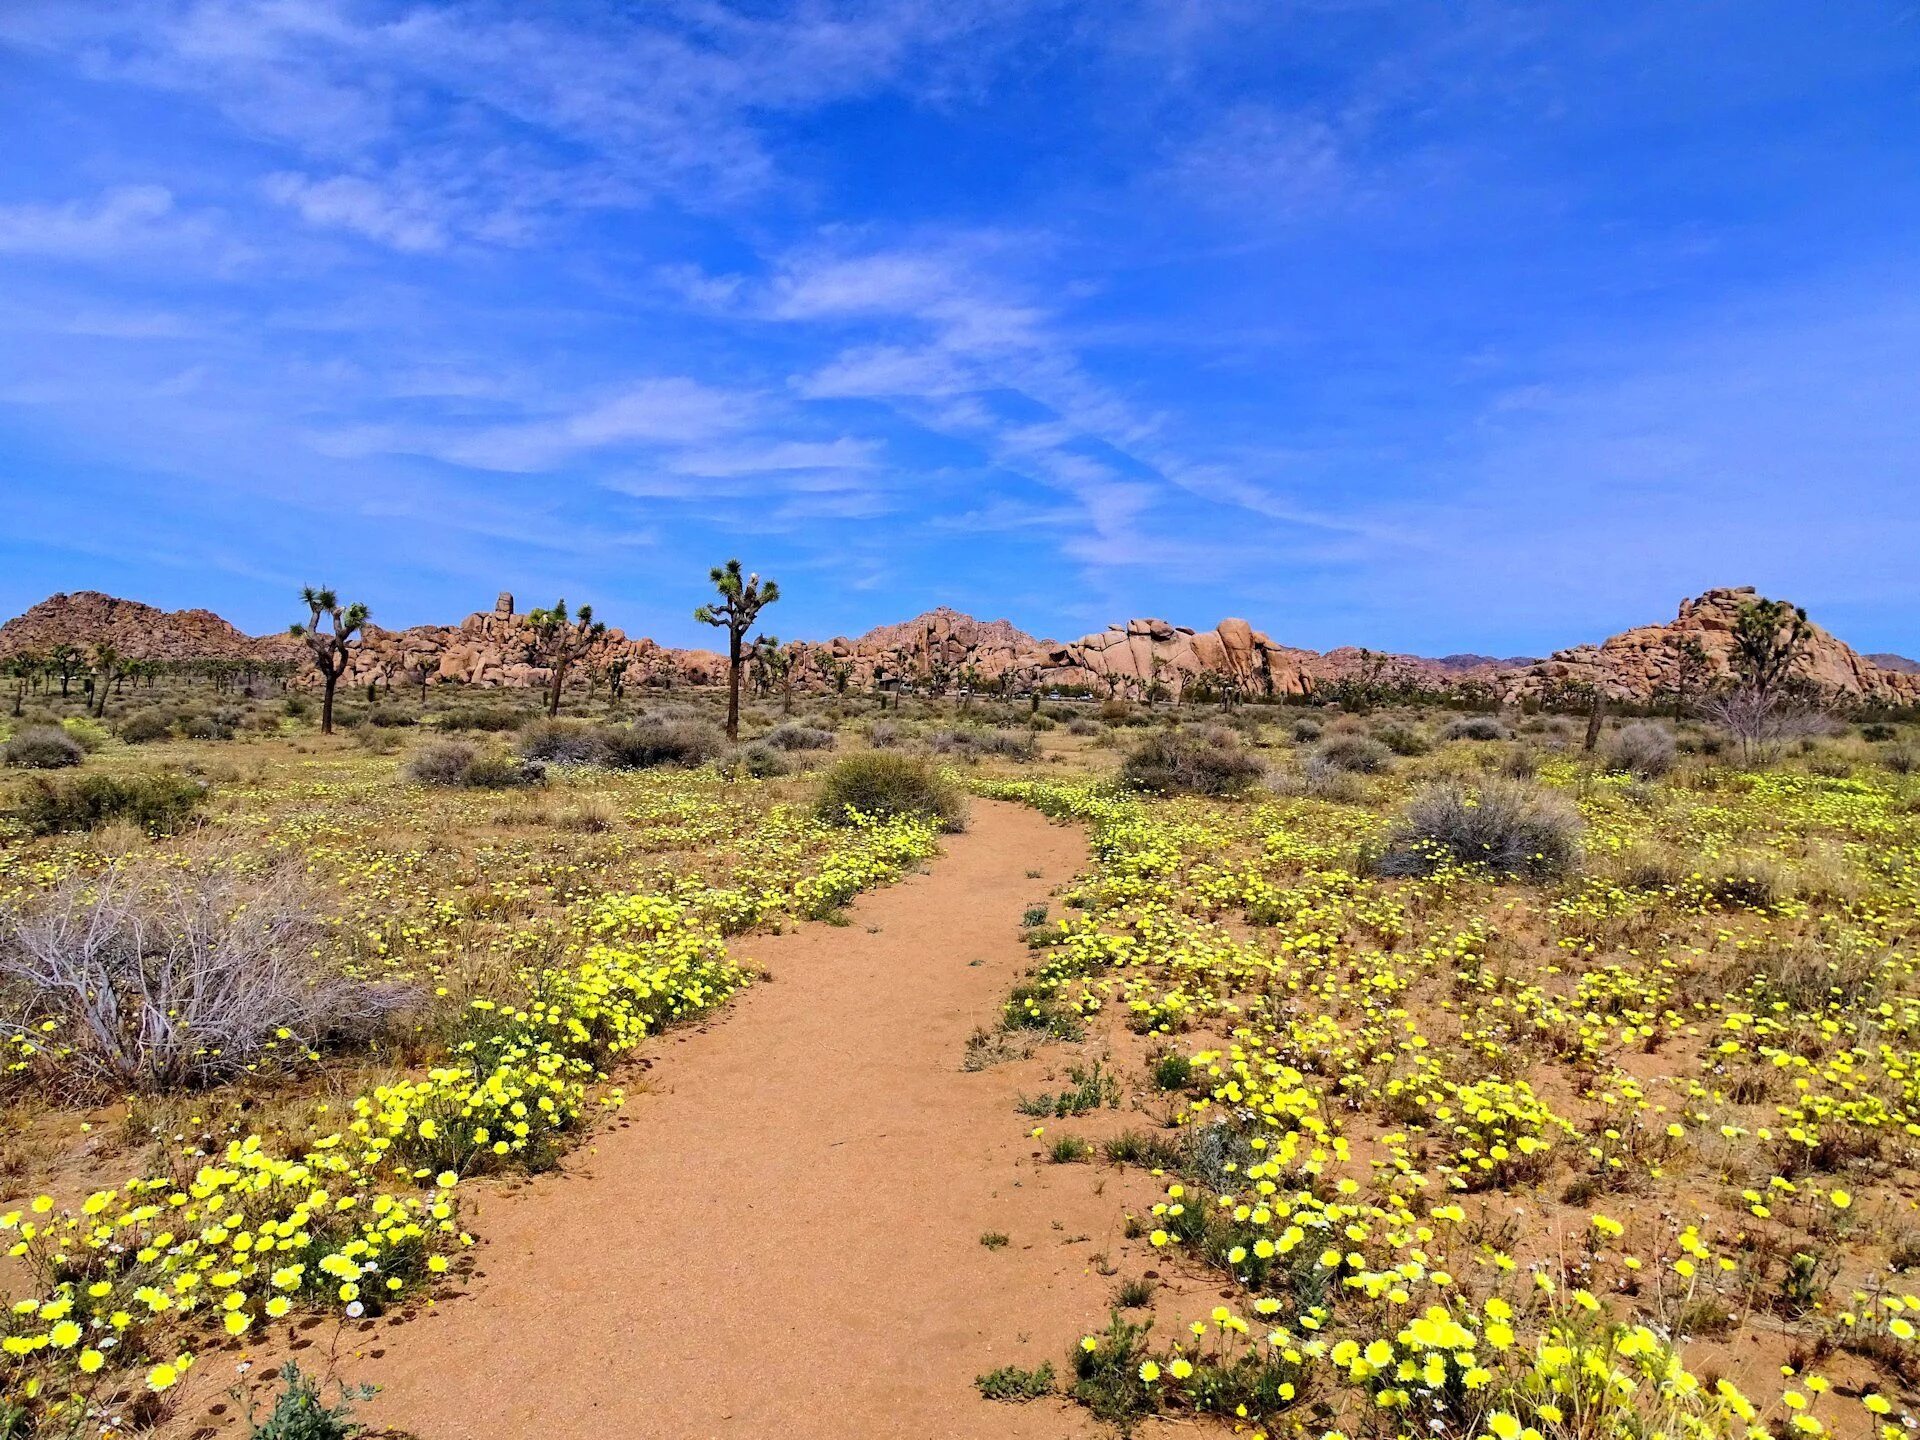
(139,632)
(1899,664)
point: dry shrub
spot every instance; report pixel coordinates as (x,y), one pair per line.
(795,736)
(157,977)
(456,765)
(1643,749)
(1318,780)
(1175,763)
(1474,727)
(562,742)
(1005,744)
(157,803)
(42,747)
(652,742)
(1509,827)
(1357,754)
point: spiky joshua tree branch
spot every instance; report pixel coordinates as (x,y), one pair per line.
(332,647)
(742,598)
(559,640)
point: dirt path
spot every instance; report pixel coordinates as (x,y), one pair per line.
(784,1238)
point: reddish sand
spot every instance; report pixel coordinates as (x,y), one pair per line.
(783,1238)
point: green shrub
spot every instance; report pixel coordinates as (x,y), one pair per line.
(42,747)
(157,802)
(882,785)
(1175,763)
(89,734)
(211,725)
(145,726)
(758,761)
(1173,1071)
(493,771)
(1010,1382)
(300,1412)
(1403,739)
(391,717)
(1509,827)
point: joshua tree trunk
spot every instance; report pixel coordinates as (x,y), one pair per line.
(553,690)
(733,684)
(326,702)
(1594,718)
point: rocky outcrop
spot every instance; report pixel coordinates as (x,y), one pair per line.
(138,632)
(1643,663)
(945,649)
(1129,659)
(498,647)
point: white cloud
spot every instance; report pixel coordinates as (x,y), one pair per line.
(665,412)
(773,457)
(348,202)
(120,219)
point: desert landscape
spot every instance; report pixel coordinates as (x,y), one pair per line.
(992,1036)
(1010,720)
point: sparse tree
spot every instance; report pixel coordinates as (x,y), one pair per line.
(332,648)
(742,598)
(559,640)
(1762,720)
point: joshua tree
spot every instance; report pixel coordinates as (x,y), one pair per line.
(1768,636)
(617,676)
(420,671)
(559,640)
(22,668)
(1690,670)
(742,598)
(106,668)
(66,662)
(332,647)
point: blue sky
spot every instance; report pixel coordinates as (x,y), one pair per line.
(1428,327)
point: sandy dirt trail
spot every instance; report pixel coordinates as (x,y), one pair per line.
(783,1239)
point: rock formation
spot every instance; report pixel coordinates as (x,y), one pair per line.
(944,649)
(1642,663)
(139,632)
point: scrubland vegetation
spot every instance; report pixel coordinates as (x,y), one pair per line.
(1476,1081)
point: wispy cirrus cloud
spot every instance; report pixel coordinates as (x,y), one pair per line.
(123,218)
